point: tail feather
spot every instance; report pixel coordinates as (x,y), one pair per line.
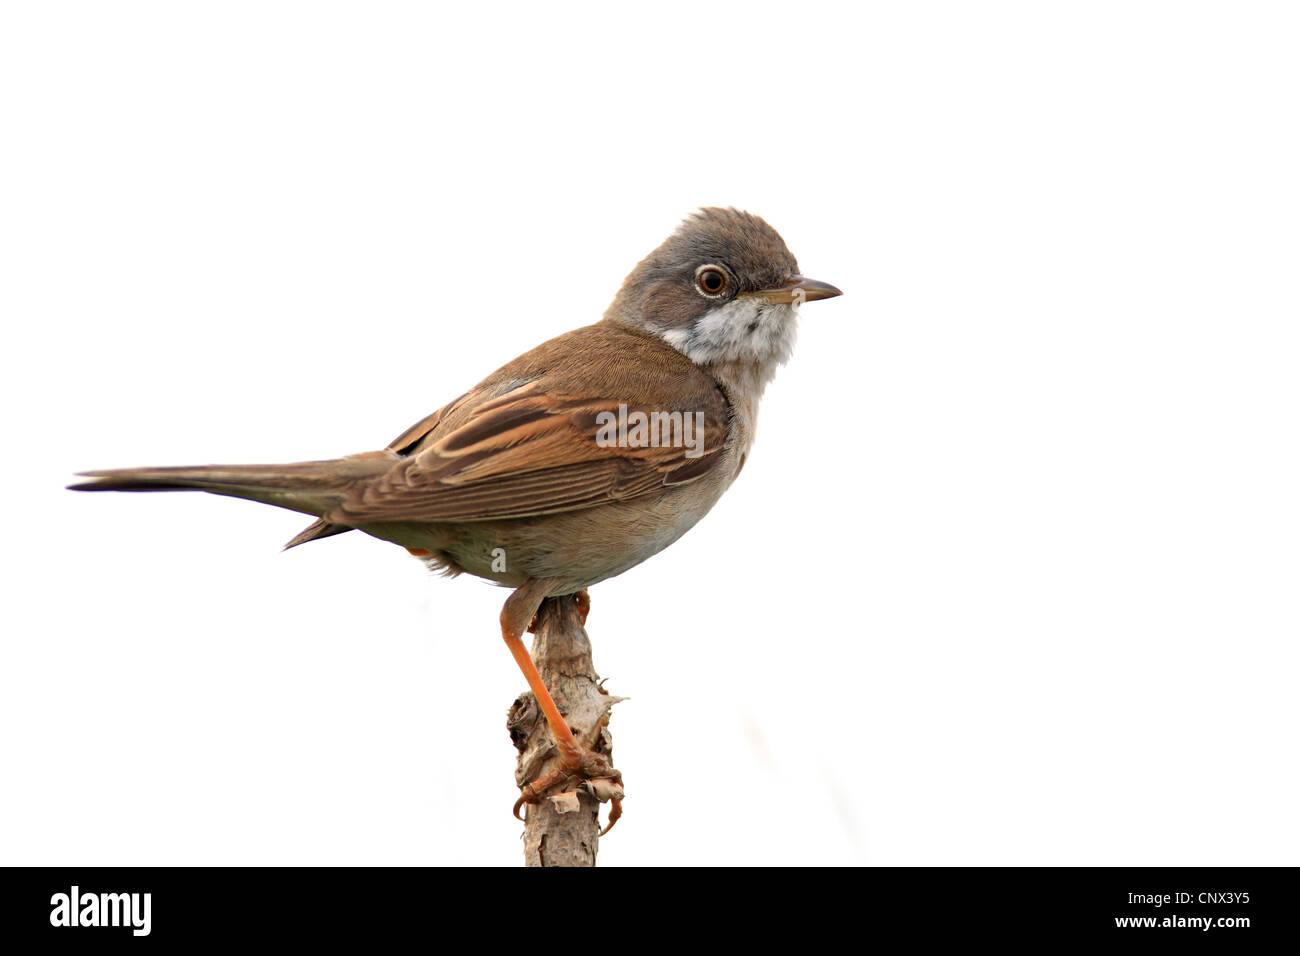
(311,487)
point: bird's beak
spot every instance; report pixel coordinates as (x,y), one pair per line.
(798,289)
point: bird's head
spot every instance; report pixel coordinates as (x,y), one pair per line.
(722,288)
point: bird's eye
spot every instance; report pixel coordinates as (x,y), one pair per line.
(711,281)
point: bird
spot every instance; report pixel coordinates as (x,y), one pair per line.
(577,460)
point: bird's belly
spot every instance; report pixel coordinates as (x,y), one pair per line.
(575,548)
(581,549)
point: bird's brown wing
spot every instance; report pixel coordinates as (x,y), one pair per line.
(515,448)
(410,439)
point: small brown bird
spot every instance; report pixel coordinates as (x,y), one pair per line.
(579,459)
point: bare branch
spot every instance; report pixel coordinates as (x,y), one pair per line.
(563,829)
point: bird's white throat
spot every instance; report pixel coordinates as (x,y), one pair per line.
(745,330)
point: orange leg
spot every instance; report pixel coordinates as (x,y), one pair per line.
(575,760)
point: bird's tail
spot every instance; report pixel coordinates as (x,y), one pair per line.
(312,487)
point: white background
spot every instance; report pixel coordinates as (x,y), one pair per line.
(1010,577)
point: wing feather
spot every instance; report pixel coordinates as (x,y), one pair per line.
(523,448)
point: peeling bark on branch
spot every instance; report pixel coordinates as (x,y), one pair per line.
(563,829)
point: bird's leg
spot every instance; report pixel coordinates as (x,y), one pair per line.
(575,760)
(581,598)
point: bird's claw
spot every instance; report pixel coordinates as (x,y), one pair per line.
(585,765)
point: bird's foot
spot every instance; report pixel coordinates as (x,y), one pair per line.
(602,780)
